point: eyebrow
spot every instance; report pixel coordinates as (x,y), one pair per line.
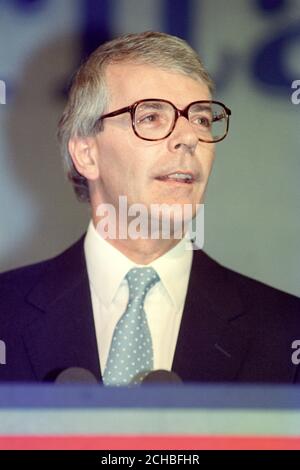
(152,105)
(202,107)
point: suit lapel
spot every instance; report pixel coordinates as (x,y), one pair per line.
(63,333)
(212,342)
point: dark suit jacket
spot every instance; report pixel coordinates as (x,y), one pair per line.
(233,328)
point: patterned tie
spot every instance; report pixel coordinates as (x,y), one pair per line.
(131,352)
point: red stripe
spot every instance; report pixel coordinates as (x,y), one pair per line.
(99,442)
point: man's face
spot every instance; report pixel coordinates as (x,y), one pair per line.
(132,167)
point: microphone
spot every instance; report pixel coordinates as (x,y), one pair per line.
(161,376)
(72,375)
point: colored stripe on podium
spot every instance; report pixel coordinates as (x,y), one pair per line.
(148,442)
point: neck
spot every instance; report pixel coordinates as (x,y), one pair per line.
(139,250)
(143,251)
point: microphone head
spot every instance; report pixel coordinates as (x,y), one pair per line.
(75,375)
(161,376)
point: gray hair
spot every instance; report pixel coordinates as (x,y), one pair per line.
(88,96)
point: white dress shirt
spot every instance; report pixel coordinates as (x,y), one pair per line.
(107,268)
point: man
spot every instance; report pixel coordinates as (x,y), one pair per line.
(140,123)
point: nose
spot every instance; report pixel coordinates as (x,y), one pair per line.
(183,138)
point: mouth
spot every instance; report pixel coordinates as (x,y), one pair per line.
(182,177)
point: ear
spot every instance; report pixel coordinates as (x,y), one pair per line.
(84,155)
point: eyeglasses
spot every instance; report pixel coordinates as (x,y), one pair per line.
(154,119)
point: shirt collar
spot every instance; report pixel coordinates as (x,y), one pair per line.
(107,267)
(174,269)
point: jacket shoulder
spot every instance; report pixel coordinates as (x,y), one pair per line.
(19,281)
(254,292)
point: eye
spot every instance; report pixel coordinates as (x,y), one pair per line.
(203,121)
(148,118)
(218,117)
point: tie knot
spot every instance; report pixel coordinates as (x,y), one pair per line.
(140,281)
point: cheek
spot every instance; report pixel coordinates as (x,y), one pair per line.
(112,160)
(120,174)
(210,164)
(208,160)
(128,160)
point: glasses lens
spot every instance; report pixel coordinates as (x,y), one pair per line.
(153,119)
(210,121)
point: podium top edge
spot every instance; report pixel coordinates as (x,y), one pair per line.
(206,396)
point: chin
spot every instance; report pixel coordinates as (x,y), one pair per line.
(172,213)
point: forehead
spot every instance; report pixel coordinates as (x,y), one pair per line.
(129,82)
